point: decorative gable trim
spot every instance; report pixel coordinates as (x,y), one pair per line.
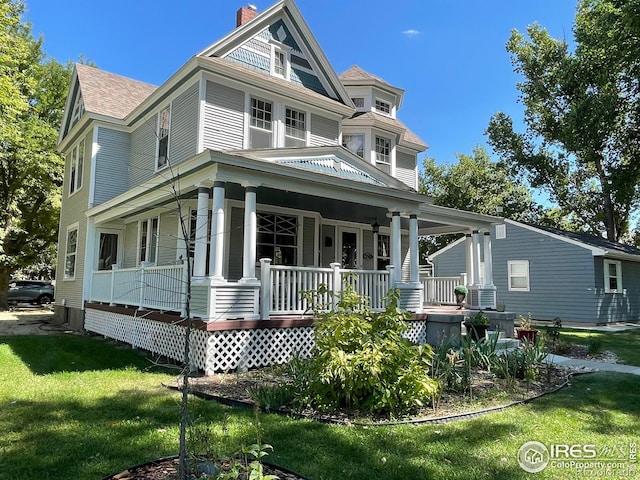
(308,52)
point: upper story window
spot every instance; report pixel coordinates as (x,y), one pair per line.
(295,134)
(71,251)
(358,102)
(383,154)
(148,240)
(279,62)
(383,107)
(164,122)
(354,143)
(77,167)
(518,271)
(261,124)
(612,276)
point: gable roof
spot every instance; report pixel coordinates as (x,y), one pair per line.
(285,10)
(355,76)
(109,94)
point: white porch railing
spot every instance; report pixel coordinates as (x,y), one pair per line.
(160,288)
(282,286)
(439,290)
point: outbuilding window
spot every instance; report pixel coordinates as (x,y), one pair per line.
(518,275)
(612,276)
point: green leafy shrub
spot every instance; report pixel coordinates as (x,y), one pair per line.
(594,345)
(461,289)
(271,396)
(362,361)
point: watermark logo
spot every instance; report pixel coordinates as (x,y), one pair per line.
(533,457)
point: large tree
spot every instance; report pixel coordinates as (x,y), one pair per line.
(582,112)
(32,95)
(477,184)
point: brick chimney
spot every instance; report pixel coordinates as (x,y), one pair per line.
(244,14)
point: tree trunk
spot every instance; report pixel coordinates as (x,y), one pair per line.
(609,211)
(5,278)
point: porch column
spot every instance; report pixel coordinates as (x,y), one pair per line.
(250,233)
(202,227)
(488,260)
(396,247)
(468,244)
(475,237)
(414,249)
(216,255)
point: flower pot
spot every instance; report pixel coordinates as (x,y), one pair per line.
(529,335)
(476,332)
(460,299)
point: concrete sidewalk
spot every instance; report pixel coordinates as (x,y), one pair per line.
(592,365)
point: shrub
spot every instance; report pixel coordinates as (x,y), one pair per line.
(271,396)
(594,345)
(362,361)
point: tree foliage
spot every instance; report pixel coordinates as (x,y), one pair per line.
(582,113)
(32,95)
(476,184)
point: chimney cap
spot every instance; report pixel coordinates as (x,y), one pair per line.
(251,6)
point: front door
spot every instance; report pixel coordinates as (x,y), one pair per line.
(349,250)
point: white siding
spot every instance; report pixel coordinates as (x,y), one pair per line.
(183,136)
(223,117)
(406,169)
(112,164)
(143,153)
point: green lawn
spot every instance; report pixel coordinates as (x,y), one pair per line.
(625,344)
(78,407)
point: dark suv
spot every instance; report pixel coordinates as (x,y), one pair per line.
(30,291)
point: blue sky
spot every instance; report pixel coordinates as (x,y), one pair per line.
(448,55)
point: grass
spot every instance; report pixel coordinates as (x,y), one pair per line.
(625,344)
(78,407)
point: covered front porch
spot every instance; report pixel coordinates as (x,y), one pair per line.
(260,230)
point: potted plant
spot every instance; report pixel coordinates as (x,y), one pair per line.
(477,326)
(526,330)
(461,293)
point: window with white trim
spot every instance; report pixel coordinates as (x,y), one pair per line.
(295,134)
(280,62)
(612,276)
(384,251)
(382,106)
(354,143)
(383,154)
(261,124)
(518,272)
(164,123)
(277,238)
(77,167)
(71,250)
(148,240)
(358,102)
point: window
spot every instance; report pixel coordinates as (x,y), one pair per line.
(164,121)
(295,128)
(71,252)
(518,275)
(501,231)
(278,238)
(383,107)
(193,229)
(261,124)
(383,154)
(354,143)
(78,109)
(108,251)
(77,167)
(612,276)
(384,251)
(358,102)
(279,63)
(148,240)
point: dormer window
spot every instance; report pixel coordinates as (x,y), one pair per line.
(354,143)
(383,107)
(164,121)
(358,102)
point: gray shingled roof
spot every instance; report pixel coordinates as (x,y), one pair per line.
(109,94)
(368,117)
(592,240)
(356,74)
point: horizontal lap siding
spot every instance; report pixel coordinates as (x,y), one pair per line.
(143,152)
(224,117)
(406,169)
(131,245)
(167,238)
(324,131)
(560,276)
(618,307)
(112,164)
(183,136)
(451,263)
(367,250)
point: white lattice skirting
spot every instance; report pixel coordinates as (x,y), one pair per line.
(219,350)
